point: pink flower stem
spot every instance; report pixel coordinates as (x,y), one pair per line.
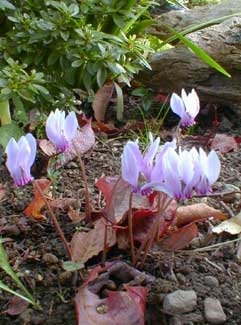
(87,195)
(130,228)
(55,221)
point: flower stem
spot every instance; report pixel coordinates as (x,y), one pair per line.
(130,228)
(55,221)
(87,196)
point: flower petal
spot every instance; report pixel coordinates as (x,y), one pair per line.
(70,126)
(129,166)
(214,167)
(177,105)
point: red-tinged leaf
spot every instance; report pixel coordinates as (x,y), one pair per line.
(16,306)
(34,208)
(237,139)
(47,147)
(197,212)
(120,307)
(117,197)
(224,143)
(143,220)
(85,245)
(108,128)
(180,238)
(102,99)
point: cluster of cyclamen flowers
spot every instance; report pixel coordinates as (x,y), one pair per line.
(21,155)
(178,174)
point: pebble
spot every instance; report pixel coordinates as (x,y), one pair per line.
(180,302)
(211,281)
(213,311)
(50,258)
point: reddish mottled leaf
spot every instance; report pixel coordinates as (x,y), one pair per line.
(196,212)
(143,220)
(16,306)
(224,143)
(34,208)
(117,197)
(102,99)
(120,307)
(180,238)
(85,245)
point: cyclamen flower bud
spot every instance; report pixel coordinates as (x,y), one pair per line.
(186,107)
(20,158)
(61,130)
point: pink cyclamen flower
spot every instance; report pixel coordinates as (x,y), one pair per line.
(141,171)
(61,130)
(186,107)
(189,171)
(20,158)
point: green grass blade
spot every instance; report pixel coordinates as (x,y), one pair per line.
(6,288)
(199,52)
(119,103)
(4,264)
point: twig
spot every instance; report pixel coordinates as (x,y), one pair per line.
(227,209)
(55,221)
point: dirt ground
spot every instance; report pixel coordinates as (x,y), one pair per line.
(27,242)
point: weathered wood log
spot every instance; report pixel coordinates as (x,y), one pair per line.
(180,68)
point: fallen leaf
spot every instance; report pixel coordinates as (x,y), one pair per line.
(34,208)
(197,212)
(117,197)
(120,307)
(64,203)
(75,216)
(85,245)
(16,306)
(102,99)
(232,225)
(224,143)
(179,239)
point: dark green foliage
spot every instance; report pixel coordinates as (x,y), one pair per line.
(53,50)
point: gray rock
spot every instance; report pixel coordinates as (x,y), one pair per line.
(180,302)
(211,281)
(213,311)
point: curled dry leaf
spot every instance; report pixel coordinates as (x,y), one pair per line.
(34,208)
(120,307)
(102,99)
(85,245)
(197,212)
(224,143)
(232,225)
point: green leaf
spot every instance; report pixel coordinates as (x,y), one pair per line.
(73,266)
(199,52)
(101,76)
(4,4)
(7,132)
(41,89)
(119,103)
(77,63)
(5,116)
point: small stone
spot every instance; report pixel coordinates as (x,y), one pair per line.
(50,258)
(65,277)
(213,311)
(180,302)
(211,281)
